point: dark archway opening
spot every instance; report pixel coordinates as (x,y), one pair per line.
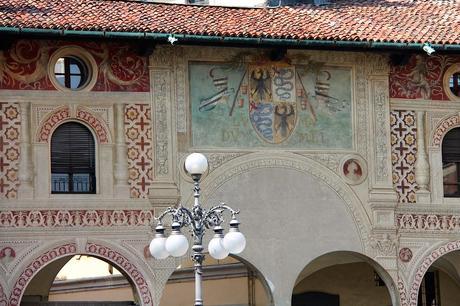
(441,283)
(341,278)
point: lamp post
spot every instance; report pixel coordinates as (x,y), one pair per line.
(198,219)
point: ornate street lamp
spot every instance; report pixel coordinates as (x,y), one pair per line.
(198,219)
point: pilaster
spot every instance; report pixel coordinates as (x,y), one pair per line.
(121,163)
(164,191)
(380,126)
(25,190)
(382,197)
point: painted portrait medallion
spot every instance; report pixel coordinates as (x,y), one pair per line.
(353,170)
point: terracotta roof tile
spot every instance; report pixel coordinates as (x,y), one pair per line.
(435,21)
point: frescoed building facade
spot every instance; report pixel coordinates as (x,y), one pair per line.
(335,136)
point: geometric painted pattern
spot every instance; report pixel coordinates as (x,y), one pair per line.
(54,119)
(419,222)
(10,124)
(62,114)
(138,131)
(61,218)
(403,154)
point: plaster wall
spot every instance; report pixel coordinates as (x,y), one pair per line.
(269,243)
(113,295)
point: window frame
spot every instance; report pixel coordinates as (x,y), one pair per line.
(445,161)
(93,175)
(453,69)
(81,55)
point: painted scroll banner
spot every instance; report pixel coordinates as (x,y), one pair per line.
(270,105)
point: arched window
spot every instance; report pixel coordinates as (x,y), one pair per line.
(451,163)
(72,159)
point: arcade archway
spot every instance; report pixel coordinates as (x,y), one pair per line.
(230,281)
(345,279)
(440,284)
(80,280)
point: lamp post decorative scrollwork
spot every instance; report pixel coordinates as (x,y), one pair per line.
(198,219)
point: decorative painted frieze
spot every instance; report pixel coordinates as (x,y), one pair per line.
(31,270)
(162,98)
(421,77)
(90,248)
(25,66)
(403,156)
(416,222)
(129,268)
(64,113)
(441,129)
(138,129)
(94,122)
(381,131)
(10,126)
(74,218)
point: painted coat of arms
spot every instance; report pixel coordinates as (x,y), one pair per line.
(270,104)
(272,101)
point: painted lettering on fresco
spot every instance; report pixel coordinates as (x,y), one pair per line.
(270,104)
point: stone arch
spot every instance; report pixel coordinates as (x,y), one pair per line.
(402,292)
(3,297)
(324,260)
(444,126)
(93,248)
(63,114)
(250,183)
(424,264)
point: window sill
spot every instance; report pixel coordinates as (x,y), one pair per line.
(451,200)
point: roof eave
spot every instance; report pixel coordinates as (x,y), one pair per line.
(227,40)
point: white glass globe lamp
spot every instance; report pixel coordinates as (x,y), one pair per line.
(196,164)
(157,245)
(177,243)
(234,241)
(215,247)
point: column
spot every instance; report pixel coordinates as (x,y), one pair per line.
(422,167)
